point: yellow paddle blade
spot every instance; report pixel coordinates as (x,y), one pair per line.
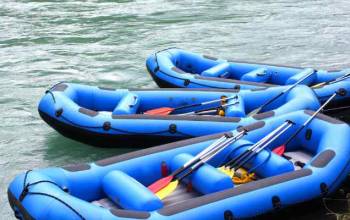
(167,190)
(229,172)
(318,85)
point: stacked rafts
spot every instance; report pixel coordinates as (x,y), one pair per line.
(254,144)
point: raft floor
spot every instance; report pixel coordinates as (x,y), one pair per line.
(179,195)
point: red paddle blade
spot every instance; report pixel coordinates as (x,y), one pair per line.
(160,184)
(280,150)
(159,111)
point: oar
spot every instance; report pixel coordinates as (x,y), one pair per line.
(227,138)
(156,186)
(257,145)
(168,110)
(259,109)
(226,168)
(258,150)
(280,150)
(171,187)
(332,81)
(208,111)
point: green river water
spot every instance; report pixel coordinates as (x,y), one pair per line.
(106,42)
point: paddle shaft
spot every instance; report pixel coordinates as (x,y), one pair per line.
(249,157)
(255,146)
(332,81)
(210,110)
(205,103)
(310,119)
(227,138)
(284,91)
(346,76)
(206,159)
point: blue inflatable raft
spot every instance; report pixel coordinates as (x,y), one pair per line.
(116,188)
(176,68)
(111,118)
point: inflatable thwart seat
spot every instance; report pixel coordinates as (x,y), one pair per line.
(109,117)
(176,68)
(315,164)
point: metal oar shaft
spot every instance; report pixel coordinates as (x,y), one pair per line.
(284,91)
(201,162)
(249,157)
(347,76)
(206,103)
(310,119)
(214,146)
(255,146)
(209,110)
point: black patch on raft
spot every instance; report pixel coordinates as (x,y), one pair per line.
(160,148)
(60,87)
(174,68)
(264,115)
(106,139)
(130,214)
(324,117)
(252,127)
(234,81)
(77,167)
(323,159)
(15,203)
(88,112)
(210,57)
(178,117)
(308,134)
(245,188)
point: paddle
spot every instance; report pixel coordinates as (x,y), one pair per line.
(171,187)
(209,111)
(227,138)
(341,78)
(237,166)
(168,110)
(262,142)
(259,109)
(281,149)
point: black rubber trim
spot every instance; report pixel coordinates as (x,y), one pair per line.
(245,188)
(234,81)
(174,68)
(130,214)
(15,203)
(189,90)
(324,117)
(106,88)
(59,87)
(268,64)
(264,115)
(259,89)
(178,117)
(160,82)
(252,127)
(106,139)
(88,112)
(166,84)
(323,159)
(209,57)
(77,167)
(144,152)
